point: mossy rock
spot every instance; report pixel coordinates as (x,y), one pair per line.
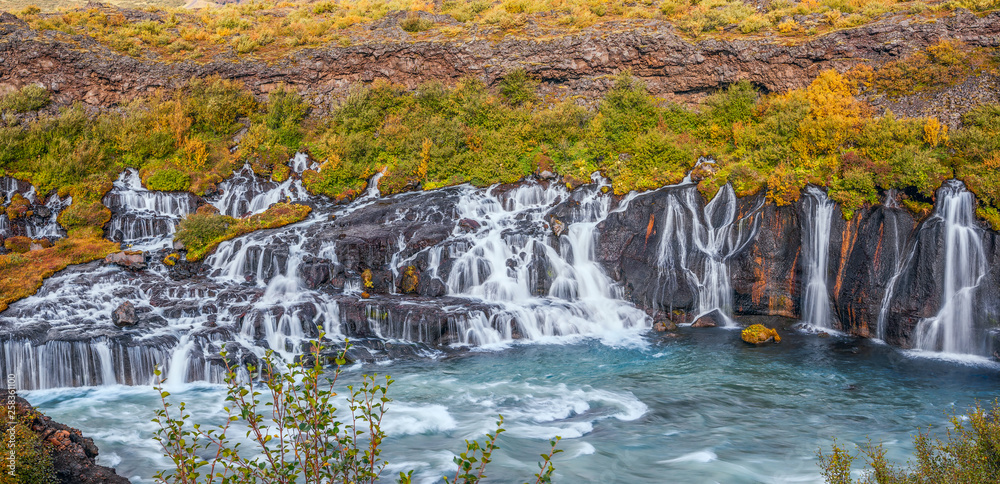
(758,334)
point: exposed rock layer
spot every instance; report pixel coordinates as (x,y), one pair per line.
(80,68)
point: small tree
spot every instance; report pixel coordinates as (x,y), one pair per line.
(297,435)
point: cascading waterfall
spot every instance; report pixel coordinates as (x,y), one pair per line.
(144,218)
(716,233)
(245,193)
(495,266)
(952,329)
(815,252)
(901,263)
(44,219)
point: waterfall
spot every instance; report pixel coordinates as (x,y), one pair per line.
(901,263)
(144,218)
(710,235)
(952,329)
(496,263)
(245,193)
(816,223)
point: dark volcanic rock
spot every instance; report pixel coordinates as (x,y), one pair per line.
(580,63)
(124,315)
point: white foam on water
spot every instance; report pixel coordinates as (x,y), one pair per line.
(701,457)
(410,419)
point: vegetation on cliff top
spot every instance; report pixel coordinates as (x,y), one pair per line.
(21,274)
(441,135)
(272,30)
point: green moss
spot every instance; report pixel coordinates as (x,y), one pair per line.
(33,459)
(202,232)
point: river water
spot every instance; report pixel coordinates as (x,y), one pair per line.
(701,408)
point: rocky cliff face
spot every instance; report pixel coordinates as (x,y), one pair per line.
(886,271)
(79,68)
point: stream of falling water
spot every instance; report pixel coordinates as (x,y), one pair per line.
(819,211)
(952,329)
(718,232)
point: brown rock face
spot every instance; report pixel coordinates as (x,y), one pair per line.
(73,455)
(579,64)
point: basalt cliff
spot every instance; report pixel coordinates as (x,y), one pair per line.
(78,68)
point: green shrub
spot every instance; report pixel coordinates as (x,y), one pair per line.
(970,454)
(168,180)
(415,23)
(29,98)
(200,229)
(518,88)
(214,104)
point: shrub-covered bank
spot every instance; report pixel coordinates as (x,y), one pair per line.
(440,135)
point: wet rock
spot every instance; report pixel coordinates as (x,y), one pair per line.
(558,227)
(468,225)
(124,315)
(709,320)
(315,272)
(131,260)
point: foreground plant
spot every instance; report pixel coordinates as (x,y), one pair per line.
(297,434)
(970,455)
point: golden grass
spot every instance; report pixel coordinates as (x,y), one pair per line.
(22,274)
(272,30)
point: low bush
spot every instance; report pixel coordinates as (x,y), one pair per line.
(168,180)
(290,412)
(28,98)
(969,454)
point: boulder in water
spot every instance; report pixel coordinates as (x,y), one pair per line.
(125,315)
(558,227)
(129,259)
(662,326)
(757,334)
(709,320)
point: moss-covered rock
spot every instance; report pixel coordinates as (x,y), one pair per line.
(757,334)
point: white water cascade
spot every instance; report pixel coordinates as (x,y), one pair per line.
(245,193)
(501,265)
(816,224)
(713,234)
(952,330)
(144,218)
(44,220)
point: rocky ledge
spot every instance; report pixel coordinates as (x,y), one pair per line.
(74,457)
(80,68)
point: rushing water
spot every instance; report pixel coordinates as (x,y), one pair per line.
(818,210)
(717,232)
(952,330)
(704,408)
